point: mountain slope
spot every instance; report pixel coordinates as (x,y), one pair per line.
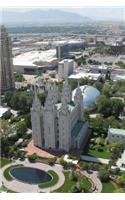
(39,17)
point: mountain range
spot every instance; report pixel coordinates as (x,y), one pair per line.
(40,17)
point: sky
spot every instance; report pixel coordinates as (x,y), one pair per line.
(116,13)
(98,13)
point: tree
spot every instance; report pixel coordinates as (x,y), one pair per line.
(4,128)
(98,85)
(72,176)
(96,124)
(111,121)
(121,180)
(117,107)
(33,157)
(84,165)
(79,186)
(19,100)
(19,77)
(27,119)
(104,174)
(107,89)
(52,161)
(21,128)
(116,148)
(8,96)
(103,105)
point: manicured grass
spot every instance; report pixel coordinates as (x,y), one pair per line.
(97,150)
(3,188)
(100,154)
(108,187)
(69,183)
(7,172)
(52,182)
(4,162)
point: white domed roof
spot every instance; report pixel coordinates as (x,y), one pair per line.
(89,95)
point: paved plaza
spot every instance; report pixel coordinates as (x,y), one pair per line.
(19,186)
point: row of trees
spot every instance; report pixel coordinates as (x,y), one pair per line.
(19,100)
(109,106)
(22,100)
(100,124)
(9,134)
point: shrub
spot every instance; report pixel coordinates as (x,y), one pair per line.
(33,157)
(51,161)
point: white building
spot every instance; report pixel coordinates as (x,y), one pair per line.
(65,68)
(59,125)
(32,61)
(115,134)
(89,95)
(4,112)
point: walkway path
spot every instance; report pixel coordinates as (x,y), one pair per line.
(95,179)
(93,159)
(18,186)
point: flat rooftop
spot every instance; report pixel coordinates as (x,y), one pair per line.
(3,110)
(116,131)
(65,60)
(79,75)
(29,58)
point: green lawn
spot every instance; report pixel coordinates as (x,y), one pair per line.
(52,182)
(108,187)
(100,154)
(4,162)
(6,173)
(68,183)
(97,150)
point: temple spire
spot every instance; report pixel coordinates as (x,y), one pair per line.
(36,105)
(78,98)
(66,92)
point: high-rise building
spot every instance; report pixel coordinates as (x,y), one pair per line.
(65,68)
(62,50)
(59,125)
(6,66)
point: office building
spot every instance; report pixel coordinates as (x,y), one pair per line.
(6,68)
(65,68)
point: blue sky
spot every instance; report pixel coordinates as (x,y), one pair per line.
(99,13)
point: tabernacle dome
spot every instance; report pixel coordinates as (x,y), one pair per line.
(89,95)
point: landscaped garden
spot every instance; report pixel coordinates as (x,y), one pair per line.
(108,187)
(76,183)
(7,172)
(4,162)
(52,182)
(98,147)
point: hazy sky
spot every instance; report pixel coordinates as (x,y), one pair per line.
(99,13)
